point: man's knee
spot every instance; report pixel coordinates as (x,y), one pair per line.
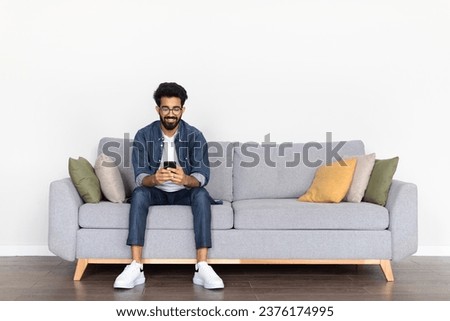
(139,192)
(141,195)
(200,193)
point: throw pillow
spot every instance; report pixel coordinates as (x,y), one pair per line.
(86,182)
(364,166)
(331,182)
(111,182)
(380,181)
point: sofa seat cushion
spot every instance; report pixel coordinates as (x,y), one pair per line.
(290,214)
(115,216)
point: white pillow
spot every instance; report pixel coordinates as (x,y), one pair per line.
(111,182)
(364,166)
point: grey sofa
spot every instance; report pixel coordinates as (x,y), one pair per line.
(259,222)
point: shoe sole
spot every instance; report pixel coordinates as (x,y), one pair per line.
(208,286)
(129,286)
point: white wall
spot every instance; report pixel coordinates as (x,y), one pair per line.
(74,71)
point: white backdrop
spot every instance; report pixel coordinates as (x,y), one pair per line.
(72,72)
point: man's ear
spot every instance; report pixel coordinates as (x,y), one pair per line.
(157,109)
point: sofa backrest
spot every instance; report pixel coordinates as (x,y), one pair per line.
(221,153)
(220,184)
(285,170)
(248,171)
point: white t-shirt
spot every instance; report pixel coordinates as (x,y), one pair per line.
(169,154)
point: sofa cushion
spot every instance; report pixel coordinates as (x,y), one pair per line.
(331,182)
(285,170)
(120,150)
(289,214)
(115,215)
(221,153)
(220,184)
(111,182)
(84,179)
(380,181)
(361,177)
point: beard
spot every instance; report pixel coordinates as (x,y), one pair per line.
(170,122)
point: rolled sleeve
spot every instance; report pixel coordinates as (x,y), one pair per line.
(201,158)
(140,178)
(199,177)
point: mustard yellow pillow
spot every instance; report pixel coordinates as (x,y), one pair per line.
(331,182)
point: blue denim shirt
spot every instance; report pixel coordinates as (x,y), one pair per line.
(190,146)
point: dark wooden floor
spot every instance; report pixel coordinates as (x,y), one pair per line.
(50,279)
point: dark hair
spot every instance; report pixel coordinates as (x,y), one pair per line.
(170,89)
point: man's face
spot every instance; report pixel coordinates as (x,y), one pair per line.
(170,112)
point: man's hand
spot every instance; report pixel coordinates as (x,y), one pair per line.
(177,175)
(162,175)
(180,178)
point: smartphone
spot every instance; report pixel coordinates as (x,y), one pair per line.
(170,164)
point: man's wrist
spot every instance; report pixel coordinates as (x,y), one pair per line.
(149,181)
(191,181)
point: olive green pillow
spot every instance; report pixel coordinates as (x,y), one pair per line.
(86,182)
(380,181)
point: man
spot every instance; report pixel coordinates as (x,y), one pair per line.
(170,140)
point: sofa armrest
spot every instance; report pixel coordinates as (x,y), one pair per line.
(403,219)
(64,203)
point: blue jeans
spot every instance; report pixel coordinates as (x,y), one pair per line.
(143,197)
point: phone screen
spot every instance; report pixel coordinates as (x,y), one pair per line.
(170,164)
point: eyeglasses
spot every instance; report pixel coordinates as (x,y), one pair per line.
(176,110)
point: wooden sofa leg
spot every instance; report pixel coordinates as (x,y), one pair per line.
(387,270)
(79,270)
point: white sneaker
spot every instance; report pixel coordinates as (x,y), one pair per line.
(205,276)
(132,275)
